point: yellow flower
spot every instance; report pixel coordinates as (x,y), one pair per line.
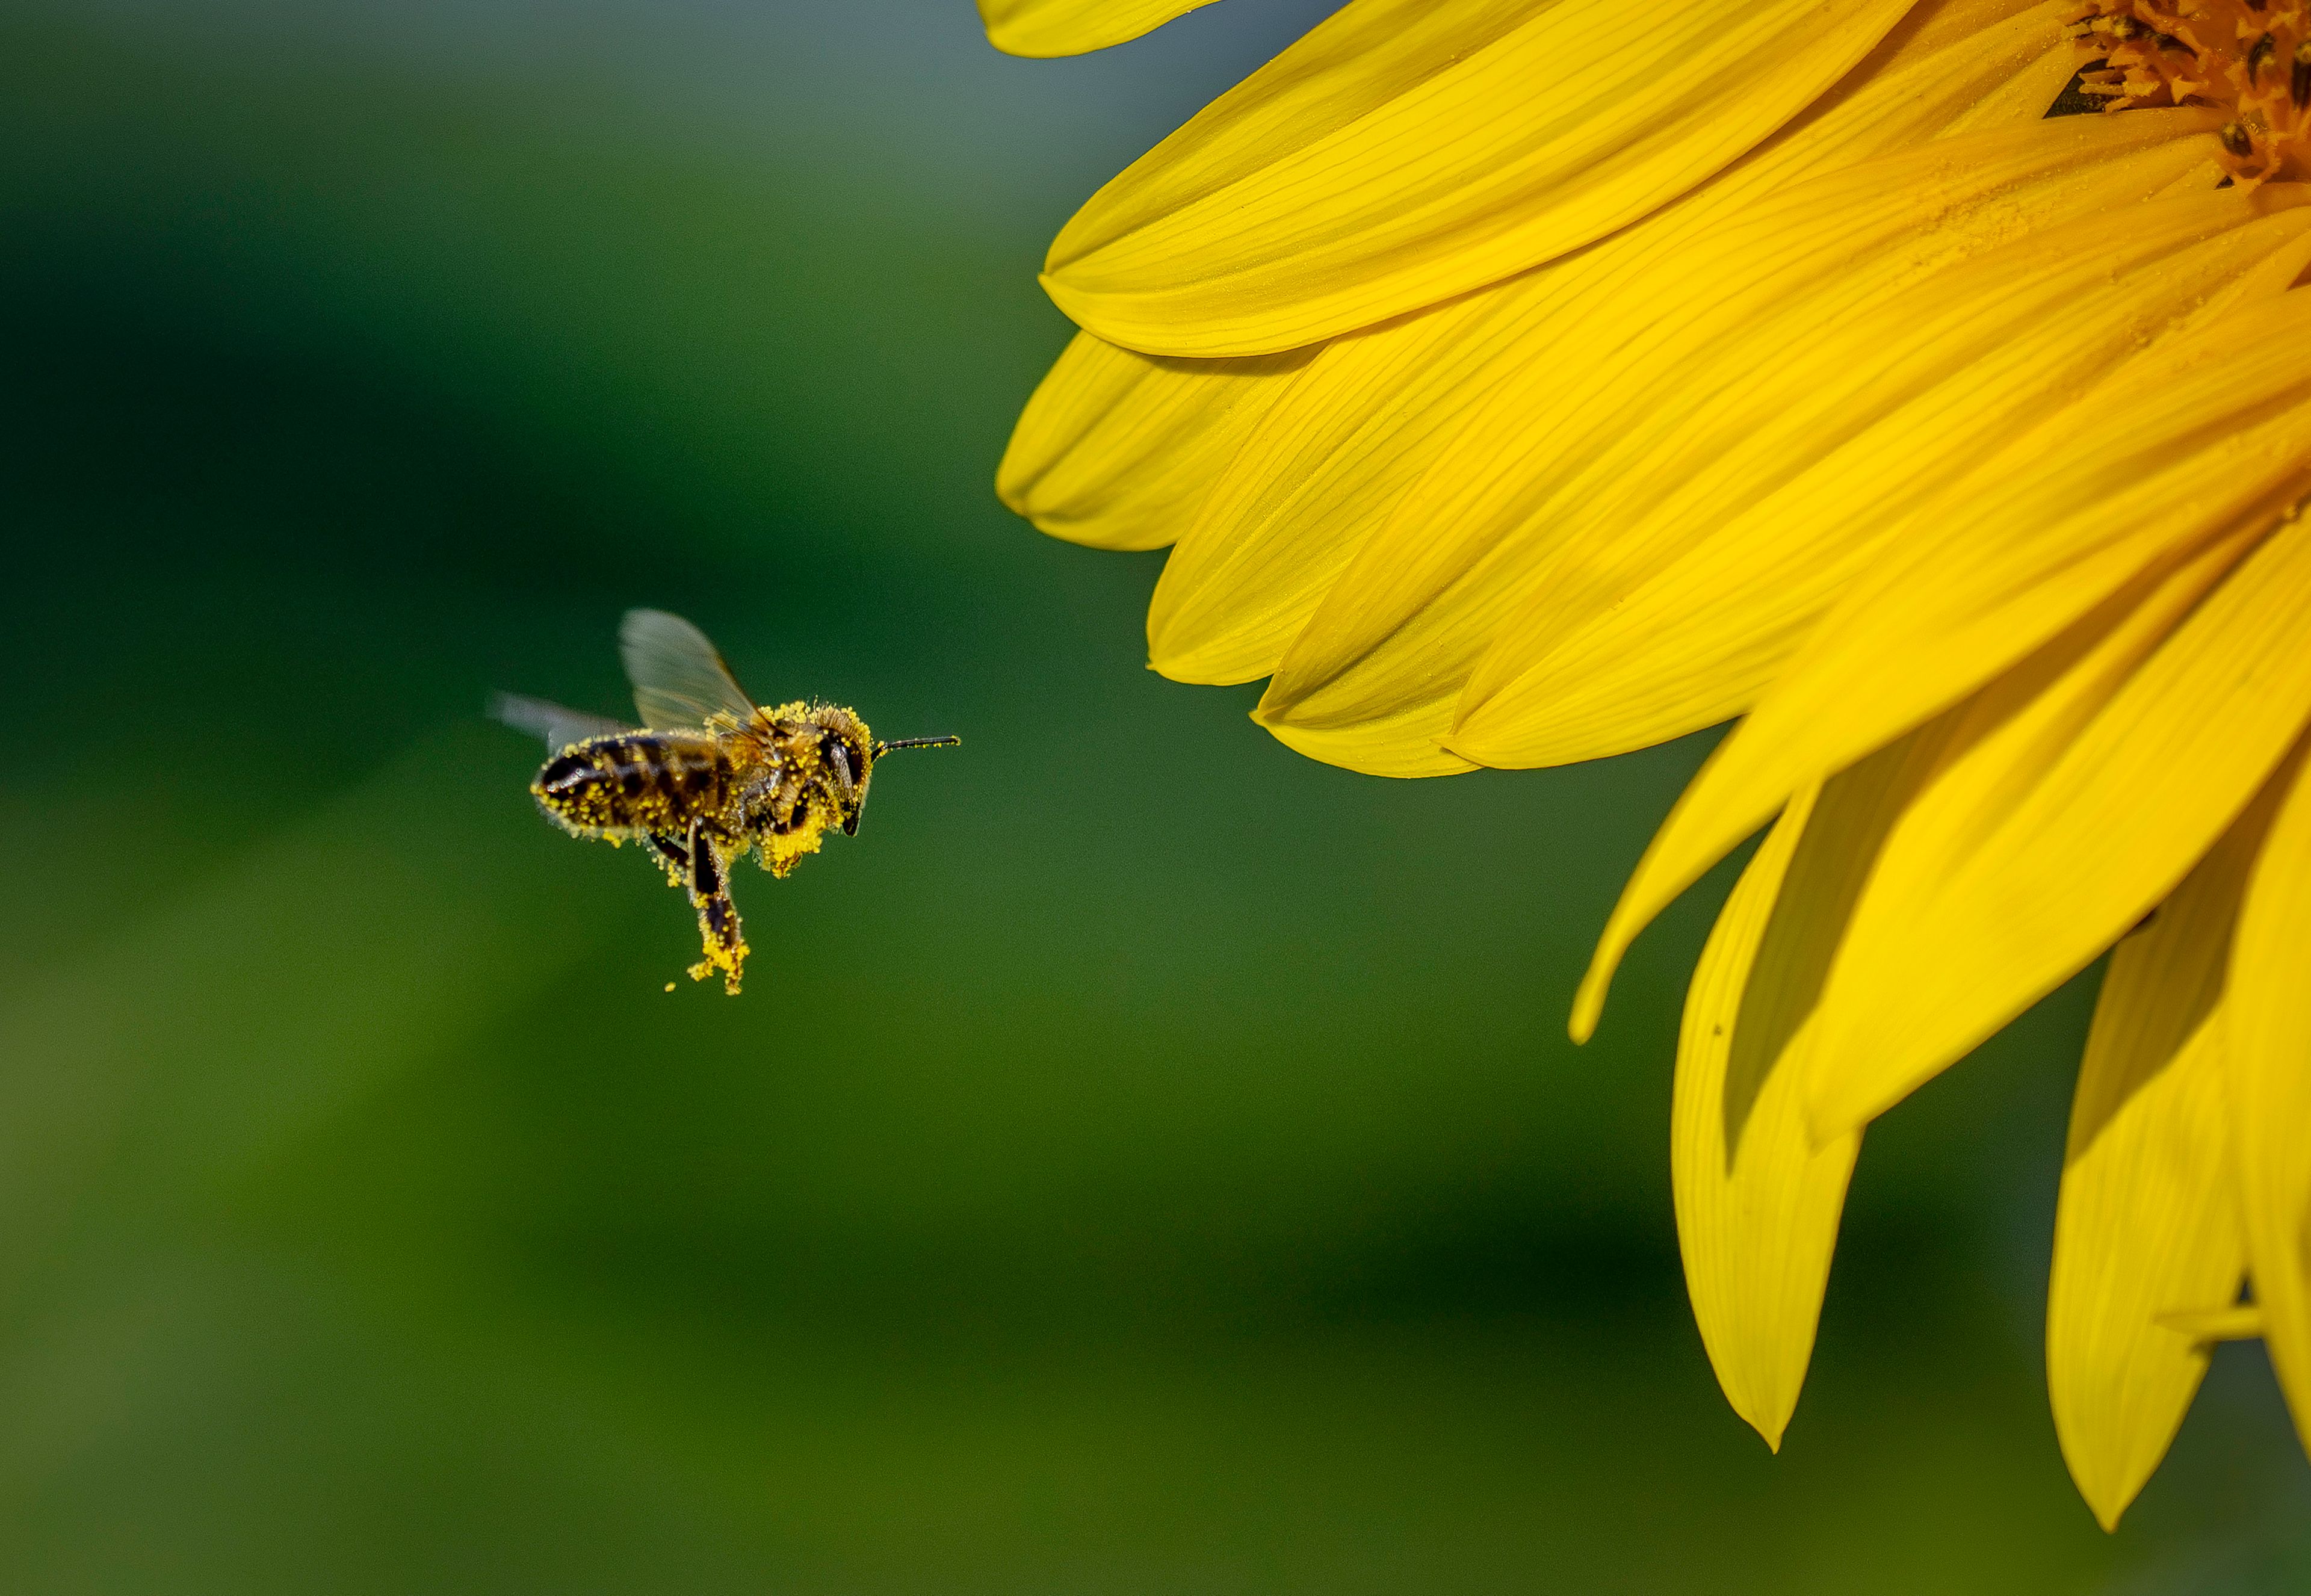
(1525,382)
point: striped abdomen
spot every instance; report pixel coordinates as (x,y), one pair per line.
(641,781)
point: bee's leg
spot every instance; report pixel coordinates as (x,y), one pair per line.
(718,918)
(673,856)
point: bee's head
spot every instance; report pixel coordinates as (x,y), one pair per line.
(846,756)
(847,753)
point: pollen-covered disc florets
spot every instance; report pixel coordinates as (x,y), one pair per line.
(2252,60)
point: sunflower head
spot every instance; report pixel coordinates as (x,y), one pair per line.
(2248,60)
(1802,370)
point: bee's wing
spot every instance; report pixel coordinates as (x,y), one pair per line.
(679,680)
(558,726)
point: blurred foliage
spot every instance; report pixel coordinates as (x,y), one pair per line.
(1142,1161)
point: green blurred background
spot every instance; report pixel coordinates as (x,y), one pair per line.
(1143,1162)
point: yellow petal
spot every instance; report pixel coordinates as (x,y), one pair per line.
(2200,434)
(2065,814)
(1633,385)
(2149,1214)
(1323,471)
(1407,150)
(1758,1203)
(1368,417)
(1740,1161)
(1116,451)
(1398,745)
(1682,616)
(1071,27)
(2267,1051)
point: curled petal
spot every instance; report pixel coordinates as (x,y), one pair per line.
(2267,1043)
(1758,1202)
(2147,1229)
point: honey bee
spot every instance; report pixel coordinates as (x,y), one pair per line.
(708,776)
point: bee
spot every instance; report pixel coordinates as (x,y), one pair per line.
(706,777)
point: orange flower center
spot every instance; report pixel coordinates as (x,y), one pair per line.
(2249,57)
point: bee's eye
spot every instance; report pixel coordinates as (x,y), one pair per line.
(836,752)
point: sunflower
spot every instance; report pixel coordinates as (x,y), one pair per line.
(1917,383)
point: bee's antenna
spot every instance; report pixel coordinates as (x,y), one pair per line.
(946,742)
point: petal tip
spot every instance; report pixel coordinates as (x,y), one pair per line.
(1085,307)
(1770,1427)
(1597,982)
(1009,495)
(1202,667)
(1587,1005)
(2107,1503)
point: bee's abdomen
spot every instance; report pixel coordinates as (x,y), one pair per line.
(644,781)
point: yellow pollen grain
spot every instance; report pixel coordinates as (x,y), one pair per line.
(2253,62)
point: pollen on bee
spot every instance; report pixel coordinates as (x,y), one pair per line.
(780,852)
(703,790)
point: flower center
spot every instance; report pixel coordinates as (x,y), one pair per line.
(2249,57)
